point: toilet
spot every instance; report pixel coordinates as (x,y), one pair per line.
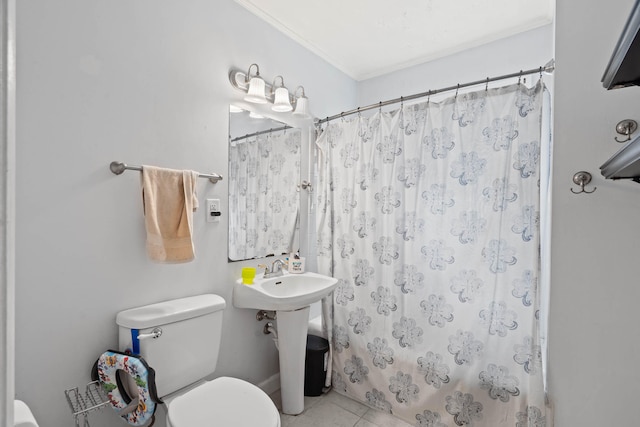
(22,416)
(180,339)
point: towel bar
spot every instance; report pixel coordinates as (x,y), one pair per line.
(119,167)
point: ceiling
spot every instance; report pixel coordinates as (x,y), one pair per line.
(368,38)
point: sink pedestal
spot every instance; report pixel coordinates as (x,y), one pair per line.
(290,296)
(292,343)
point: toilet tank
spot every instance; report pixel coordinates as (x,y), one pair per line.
(187,350)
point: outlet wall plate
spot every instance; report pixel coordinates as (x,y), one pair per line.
(213,210)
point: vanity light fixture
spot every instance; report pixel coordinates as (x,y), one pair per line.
(256,91)
(281,101)
(261,92)
(302,104)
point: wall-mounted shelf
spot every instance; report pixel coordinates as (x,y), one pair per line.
(624,68)
(625,164)
(94,398)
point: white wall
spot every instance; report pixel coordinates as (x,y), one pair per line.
(143,82)
(527,50)
(595,239)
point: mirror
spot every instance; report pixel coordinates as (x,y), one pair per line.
(264,171)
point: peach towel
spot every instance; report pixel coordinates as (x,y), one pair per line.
(169,198)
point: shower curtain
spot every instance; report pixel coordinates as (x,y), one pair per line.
(263,199)
(429,216)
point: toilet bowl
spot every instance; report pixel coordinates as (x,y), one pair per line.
(22,416)
(180,340)
(228,401)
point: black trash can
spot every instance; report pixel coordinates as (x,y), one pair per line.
(315,365)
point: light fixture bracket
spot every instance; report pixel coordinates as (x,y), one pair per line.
(298,103)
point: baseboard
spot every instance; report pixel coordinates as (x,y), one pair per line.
(271,384)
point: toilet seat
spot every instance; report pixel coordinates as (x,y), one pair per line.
(223,402)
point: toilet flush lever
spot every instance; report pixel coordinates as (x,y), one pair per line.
(155,333)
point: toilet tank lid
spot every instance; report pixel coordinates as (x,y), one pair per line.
(170,311)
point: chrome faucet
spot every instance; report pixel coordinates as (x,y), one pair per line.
(276,269)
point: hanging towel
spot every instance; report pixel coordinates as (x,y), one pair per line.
(169,198)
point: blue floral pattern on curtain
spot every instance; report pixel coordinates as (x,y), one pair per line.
(429,217)
(263,198)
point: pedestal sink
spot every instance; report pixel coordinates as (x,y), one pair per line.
(290,296)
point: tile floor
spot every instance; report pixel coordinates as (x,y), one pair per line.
(333,409)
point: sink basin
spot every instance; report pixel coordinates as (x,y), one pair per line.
(285,293)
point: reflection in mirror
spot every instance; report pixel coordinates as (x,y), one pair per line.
(264,170)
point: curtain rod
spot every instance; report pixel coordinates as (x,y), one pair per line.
(249,135)
(547,68)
